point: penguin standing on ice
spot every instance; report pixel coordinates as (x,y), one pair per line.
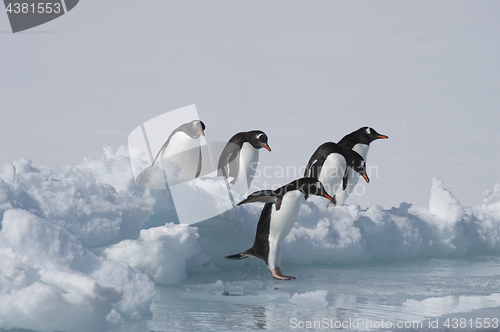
(239,158)
(183,147)
(358,141)
(330,164)
(277,219)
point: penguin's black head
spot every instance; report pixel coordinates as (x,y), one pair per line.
(358,164)
(366,135)
(258,139)
(195,128)
(310,186)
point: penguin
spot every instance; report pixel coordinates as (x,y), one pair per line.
(183,147)
(277,219)
(239,158)
(330,165)
(358,141)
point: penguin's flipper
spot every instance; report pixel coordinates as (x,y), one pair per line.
(266,196)
(164,146)
(310,164)
(229,161)
(313,168)
(345,178)
(233,164)
(199,165)
(241,255)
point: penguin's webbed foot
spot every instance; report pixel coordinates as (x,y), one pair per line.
(278,275)
(284,277)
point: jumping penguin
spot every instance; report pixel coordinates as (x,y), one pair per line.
(277,219)
(239,158)
(358,141)
(183,147)
(330,164)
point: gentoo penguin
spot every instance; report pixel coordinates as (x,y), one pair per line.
(358,141)
(183,147)
(277,218)
(239,158)
(330,165)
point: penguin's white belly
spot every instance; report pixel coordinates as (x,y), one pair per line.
(332,172)
(341,195)
(282,221)
(248,161)
(362,149)
(185,152)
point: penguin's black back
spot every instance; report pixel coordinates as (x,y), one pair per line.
(186,128)
(349,141)
(232,151)
(318,158)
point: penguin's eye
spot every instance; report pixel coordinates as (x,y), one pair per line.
(368,131)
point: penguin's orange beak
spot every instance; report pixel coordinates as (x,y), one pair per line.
(267,147)
(365,177)
(201,133)
(382,136)
(327,196)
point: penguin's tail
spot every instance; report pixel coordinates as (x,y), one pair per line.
(241,255)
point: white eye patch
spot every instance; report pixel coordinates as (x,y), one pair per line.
(368,131)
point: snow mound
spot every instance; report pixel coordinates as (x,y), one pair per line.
(349,235)
(49,281)
(52,217)
(310,299)
(97,201)
(443,205)
(160,252)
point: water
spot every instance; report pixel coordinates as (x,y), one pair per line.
(421,295)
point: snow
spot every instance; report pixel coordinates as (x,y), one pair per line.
(71,238)
(83,248)
(443,205)
(160,252)
(49,281)
(310,299)
(435,306)
(96,201)
(51,217)
(351,235)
